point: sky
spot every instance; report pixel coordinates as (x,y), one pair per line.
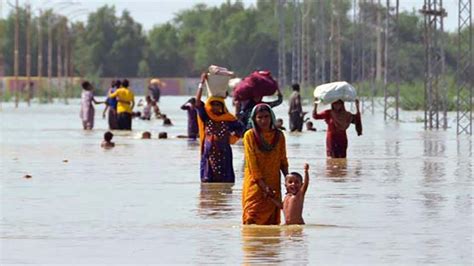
(154,12)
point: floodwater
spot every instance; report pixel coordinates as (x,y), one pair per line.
(403,196)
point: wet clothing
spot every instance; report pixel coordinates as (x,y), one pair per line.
(215,135)
(87,109)
(112,111)
(266,165)
(146,113)
(336,137)
(125,97)
(247,106)
(124,121)
(111,101)
(155,92)
(193,130)
(295,112)
(112,118)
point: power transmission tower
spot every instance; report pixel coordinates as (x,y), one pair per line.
(296,45)
(16,64)
(392,68)
(465,69)
(336,56)
(435,87)
(28,54)
(306,40)
(355,63)
(367,17)
(320,37)
(281,44)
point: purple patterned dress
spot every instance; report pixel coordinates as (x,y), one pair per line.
(216,157)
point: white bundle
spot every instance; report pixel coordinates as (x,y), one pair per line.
(331,92)
(218,80)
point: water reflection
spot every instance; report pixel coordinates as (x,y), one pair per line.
(433,169)
(392,169)
(336,169)
(215,200)
(433,172)
(261,244)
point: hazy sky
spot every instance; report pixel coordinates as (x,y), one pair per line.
(151,12)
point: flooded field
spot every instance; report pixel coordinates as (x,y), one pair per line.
(403,196)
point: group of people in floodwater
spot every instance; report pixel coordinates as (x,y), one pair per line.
(263,140)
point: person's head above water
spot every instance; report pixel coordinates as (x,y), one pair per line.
(293,182)
(279,123)
(108,136)
(146,135)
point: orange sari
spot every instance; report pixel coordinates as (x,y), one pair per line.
(256,208)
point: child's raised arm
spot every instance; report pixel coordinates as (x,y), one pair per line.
(306,179)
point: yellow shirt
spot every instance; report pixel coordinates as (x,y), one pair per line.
(125,97)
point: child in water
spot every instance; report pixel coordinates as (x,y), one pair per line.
(309,126)
(146,135)
(107,142)
(294,199)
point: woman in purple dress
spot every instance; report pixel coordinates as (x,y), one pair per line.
(217,130)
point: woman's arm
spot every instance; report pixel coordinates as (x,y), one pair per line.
(317,115)
(199,90)
(96,102)
(277,101)
(283,158)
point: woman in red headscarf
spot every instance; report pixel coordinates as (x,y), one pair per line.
(338,120)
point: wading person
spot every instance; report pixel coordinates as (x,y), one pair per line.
(111,106)
(87,109)
(295,112)
(338,120)
(125,103)
(265,158)
(217,130)
(190,107)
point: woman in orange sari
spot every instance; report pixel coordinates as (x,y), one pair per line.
(265,157)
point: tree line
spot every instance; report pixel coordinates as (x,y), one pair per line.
(232,35)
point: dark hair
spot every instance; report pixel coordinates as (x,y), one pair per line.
(108,136)
(260,108)
(146,135)
(309,123)
(167,121)
(118,83)
(296,87)
(192,100)
(148,98)
(297,176)
(125,83)
(162,135)
(86,85)
(112,83)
